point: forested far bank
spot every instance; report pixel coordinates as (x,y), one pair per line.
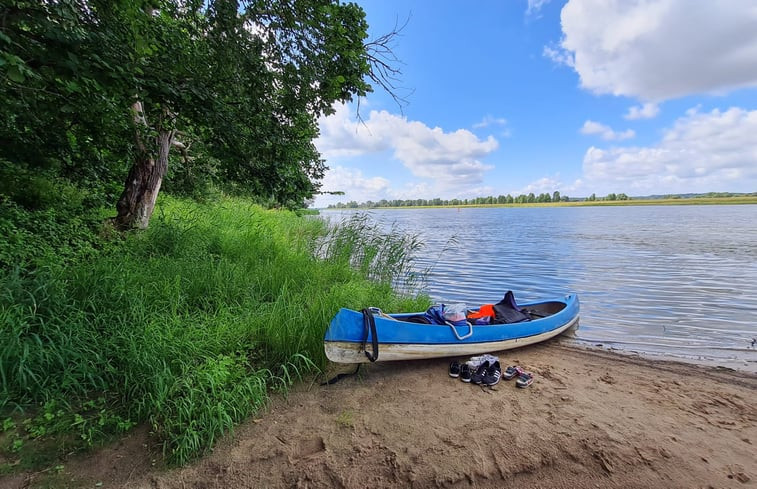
(556,199)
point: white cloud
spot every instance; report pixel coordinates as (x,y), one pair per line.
(715,151)
(534,6)
(447,158)
(659,49)
(646,111)
(560,56)
(490,120)
(545,185)
(342,136)
(607,133)
(354,185)
(359,188)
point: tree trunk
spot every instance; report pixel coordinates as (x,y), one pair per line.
(137,202)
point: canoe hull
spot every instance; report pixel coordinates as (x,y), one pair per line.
(399,340)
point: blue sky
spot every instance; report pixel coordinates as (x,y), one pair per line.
(581,96)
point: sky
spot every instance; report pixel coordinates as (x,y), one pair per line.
(642,97)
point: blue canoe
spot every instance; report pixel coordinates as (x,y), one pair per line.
(350,337)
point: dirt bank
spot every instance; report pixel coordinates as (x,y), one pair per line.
(591,419)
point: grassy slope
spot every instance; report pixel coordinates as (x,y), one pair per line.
(187,326)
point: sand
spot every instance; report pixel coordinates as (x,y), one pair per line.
(592,419)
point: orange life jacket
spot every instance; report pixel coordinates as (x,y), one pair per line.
(483,311)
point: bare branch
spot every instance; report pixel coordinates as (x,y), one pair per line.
(384,65)
(183,149)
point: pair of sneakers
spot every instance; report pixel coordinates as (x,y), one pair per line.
(461,370)
(490,373)
(524,379)
(486,374)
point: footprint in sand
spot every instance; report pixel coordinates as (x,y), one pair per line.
(307,448)
(737,472)
(607,379)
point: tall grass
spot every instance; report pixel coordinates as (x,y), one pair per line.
(189,325)
(380,254)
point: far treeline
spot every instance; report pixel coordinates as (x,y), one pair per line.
(531,198)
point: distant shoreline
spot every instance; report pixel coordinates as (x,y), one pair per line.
(740,200)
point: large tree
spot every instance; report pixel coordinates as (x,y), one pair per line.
(96,83)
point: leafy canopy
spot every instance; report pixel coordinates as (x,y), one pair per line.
(244,82)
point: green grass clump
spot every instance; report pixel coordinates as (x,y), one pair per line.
(187,326)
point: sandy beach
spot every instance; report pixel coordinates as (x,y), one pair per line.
(592,419)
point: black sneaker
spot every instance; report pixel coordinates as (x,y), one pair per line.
(478,375)
(465,373)
(454,369)
(493,373)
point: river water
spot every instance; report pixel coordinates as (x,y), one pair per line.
(677,281)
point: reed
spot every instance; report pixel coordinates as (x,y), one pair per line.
(379,251)
(188,326)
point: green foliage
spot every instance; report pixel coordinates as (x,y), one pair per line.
(242,83)
(197,178)
(56,114)
(45,237)
(186,326)
(346,419)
